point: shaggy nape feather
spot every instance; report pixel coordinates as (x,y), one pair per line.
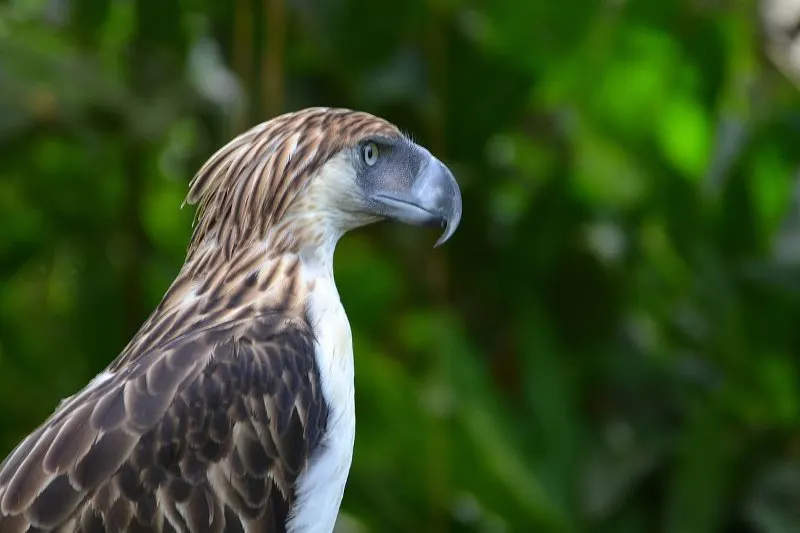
(249,184)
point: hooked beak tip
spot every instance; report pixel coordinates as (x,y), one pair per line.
(450,225)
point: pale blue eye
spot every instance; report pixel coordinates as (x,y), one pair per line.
(370,154)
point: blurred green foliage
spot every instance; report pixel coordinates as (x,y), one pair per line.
(609,343)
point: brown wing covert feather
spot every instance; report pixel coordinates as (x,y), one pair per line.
(207,434)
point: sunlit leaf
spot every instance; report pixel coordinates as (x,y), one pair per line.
(684,134)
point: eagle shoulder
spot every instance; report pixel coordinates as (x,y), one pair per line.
(207,433)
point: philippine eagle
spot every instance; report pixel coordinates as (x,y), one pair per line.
(232,408)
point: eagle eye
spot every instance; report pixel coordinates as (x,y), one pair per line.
(370,153)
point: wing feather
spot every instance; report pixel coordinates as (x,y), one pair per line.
(207,433)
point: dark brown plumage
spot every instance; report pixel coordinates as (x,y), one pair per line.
(160,433)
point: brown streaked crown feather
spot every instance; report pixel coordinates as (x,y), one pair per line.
(206,418)
(249,183)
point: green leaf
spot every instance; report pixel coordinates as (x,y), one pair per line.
(606,174)
(684,135)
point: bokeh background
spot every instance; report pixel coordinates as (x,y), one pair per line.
(608,344)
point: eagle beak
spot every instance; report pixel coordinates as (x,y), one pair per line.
(433,199)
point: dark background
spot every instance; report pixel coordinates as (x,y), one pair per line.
(608,344)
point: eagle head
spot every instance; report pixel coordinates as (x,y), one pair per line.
(301,180)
